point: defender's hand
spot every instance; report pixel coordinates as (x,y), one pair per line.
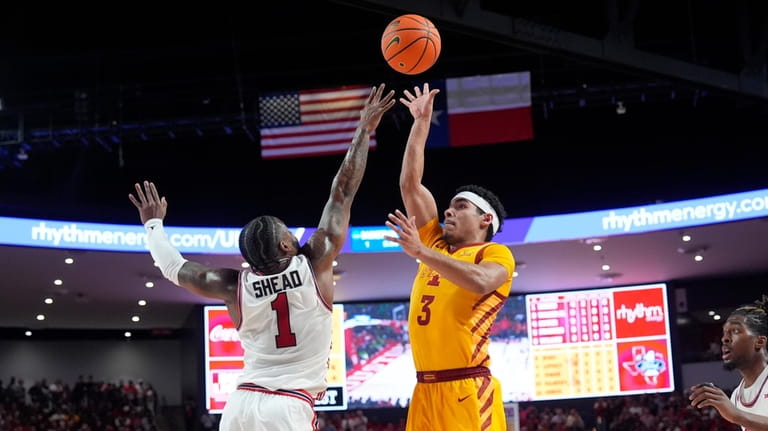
(149,203)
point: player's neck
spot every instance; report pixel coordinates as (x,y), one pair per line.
(752,372)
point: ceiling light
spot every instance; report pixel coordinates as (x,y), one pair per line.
(245,265)
(716,317)
(40,317)
(606,267)
(69,261)
(48,300)
(609,276)
(28,333)
(135,318)
(685,237)
(515,274)
(620,108)
(711,313)
(698,258)
(142,302)
(597,247)
(149,285)
(335,263)
(127,334)
(58,282)
(694,250)
(22,154)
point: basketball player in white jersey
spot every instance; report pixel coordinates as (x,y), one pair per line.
(745,336)
(281,305)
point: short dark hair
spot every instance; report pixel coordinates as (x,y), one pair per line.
(492,199)
(755,316)
(260,243)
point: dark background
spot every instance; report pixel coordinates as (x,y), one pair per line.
(147,70)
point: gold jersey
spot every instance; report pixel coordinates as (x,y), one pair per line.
(448,325)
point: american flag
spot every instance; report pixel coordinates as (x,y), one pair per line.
(310,123)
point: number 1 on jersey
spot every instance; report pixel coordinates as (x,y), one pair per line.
(285,337)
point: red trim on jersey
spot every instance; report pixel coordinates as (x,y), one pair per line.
(452,374)
(487,315)
(479,255)
(239,301)
(750,404)
(452,249)
(298,394)
(329,307)
(487,296)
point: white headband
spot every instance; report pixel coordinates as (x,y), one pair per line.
(483,205)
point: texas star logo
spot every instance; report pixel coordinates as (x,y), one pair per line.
(650,364)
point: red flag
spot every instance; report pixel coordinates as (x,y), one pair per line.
(483,109)
(310,123)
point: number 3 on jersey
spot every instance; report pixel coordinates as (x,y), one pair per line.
(285,337)
(426,313)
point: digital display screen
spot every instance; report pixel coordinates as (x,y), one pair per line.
(600,342)
(224,360)
(544,346)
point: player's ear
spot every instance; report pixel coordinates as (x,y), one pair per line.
(487,218)
(760,342)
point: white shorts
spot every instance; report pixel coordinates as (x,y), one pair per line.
(254,408)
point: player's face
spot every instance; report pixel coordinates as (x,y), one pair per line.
(462,222)
(738,344)
(290,238)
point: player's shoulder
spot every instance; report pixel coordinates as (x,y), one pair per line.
(497,247)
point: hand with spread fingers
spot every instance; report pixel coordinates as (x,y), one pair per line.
(408,233)
(420,101)
(375,107)
(149,202)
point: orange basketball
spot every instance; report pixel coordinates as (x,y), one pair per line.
(410,44)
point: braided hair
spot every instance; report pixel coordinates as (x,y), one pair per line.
(755,316)
(260,244)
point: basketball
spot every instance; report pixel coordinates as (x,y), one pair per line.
(410,44)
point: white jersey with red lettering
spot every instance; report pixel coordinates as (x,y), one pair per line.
(285,329)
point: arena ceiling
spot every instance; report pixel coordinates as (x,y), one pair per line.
(692,76)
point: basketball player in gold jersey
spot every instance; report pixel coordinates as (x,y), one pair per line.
(462,282)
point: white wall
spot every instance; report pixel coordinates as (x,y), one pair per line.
(155,361)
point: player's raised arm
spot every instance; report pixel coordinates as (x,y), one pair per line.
(199,279)
(325,244)
(418,200)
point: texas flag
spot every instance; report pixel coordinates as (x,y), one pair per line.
(484,109)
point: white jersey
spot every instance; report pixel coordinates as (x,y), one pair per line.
(285,329)
(753,399)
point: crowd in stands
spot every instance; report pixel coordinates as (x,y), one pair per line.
(87,405)
(657,412)
(650,412)
(90,405)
